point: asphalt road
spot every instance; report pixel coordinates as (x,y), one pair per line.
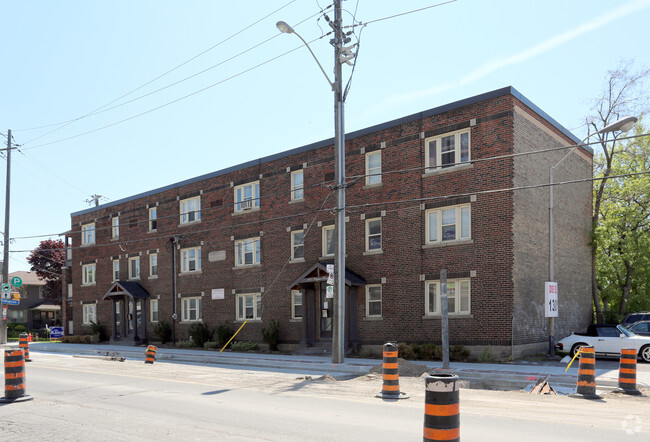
(79,399)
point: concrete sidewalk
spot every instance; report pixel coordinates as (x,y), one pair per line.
(510,376)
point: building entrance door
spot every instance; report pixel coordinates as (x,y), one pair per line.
(326,313)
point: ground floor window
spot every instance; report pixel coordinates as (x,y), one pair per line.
(153,306)
(296,304)
(89,313)
(249,306)
(373,301)
(191,309)
(458,297)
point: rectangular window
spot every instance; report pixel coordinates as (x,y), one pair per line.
(249,306)
(191,260)
(297,185)
(153,219)
(373,301)
(298,244)
(88,234)
(134,267)
(190,210)
(247,252)
(116,270)
(89,313)
(191,309)
(328,241)
(296,304)
(247,196)
(458,297)
(69,292)
(448,224)
(373,168)
(88,274)
(153,265)
(115,227)
(447,150)
(373,234)
(153,307)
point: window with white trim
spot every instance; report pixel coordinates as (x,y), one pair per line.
(153,265)
(373,301)
(297,185)
(247,196)
(373,234)
(153,219)
(88,234)
(247,252)
(249,306)
(115,227)
(134,267)
(191,260)
(328,241)
(297,244)
(448,224)
(191,309)
(116,270)
(447,150)
(296,304)
(373,168)
(89,313)
(190,210)
(153,308)
(88,274)
(458,297)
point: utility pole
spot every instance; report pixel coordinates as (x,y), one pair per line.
(5,266)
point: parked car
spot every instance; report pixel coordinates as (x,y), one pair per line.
(631,318)
(607,340)
(641,328)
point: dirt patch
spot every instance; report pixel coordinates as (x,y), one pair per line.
(405,368)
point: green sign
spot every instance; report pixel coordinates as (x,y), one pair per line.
(16,281)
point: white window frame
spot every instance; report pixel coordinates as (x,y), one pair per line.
(256,301)
(241,252)
(116,270)
(436,144)
(434,224)
(89,313)
(88,274)
(134,267)
(296,303)
(373,288)
(298,188)
(187,309)
(454,299)
(153,265)
(153,309)
(297,244)
(247,192)
(372,177)
(88,234)
(187,262)
(374,235)
(327,229)
(115,227)
(190,210)
(153,219)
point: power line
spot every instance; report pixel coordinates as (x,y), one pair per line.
(399,15)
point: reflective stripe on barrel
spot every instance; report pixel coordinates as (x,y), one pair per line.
(14,374)
(390,370)
(441,408)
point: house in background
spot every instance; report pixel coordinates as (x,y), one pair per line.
(462,187)
(34,310)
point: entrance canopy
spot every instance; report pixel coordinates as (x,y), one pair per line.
(132,289)
(45,306)
(318,273)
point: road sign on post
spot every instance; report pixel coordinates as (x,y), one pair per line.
(550,300)
(16,281)
(6,288)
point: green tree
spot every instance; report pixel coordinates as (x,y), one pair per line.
(47,261)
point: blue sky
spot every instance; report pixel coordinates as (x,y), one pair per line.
(241,99)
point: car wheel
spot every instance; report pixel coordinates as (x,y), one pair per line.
(645,353)
(576,347)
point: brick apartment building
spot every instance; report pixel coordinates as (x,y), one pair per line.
(460,187)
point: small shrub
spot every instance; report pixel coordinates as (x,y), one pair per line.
(428,351)
(99,331)
(223,333)
(185,344)
(163,331)
(415,350)
(486,355)
(243,346)
(271,334)
(200,333)
(404,351)
(14,329)
(212,345)
(458,353)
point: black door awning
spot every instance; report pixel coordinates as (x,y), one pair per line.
(129,288)
(318,273)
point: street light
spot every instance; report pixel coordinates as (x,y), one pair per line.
(623,125)
(338,332)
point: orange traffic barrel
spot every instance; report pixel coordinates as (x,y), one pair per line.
(14,377)
(441,407)
(627,372)
(23,343)
(390,370)
(150,354)
(586,385)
